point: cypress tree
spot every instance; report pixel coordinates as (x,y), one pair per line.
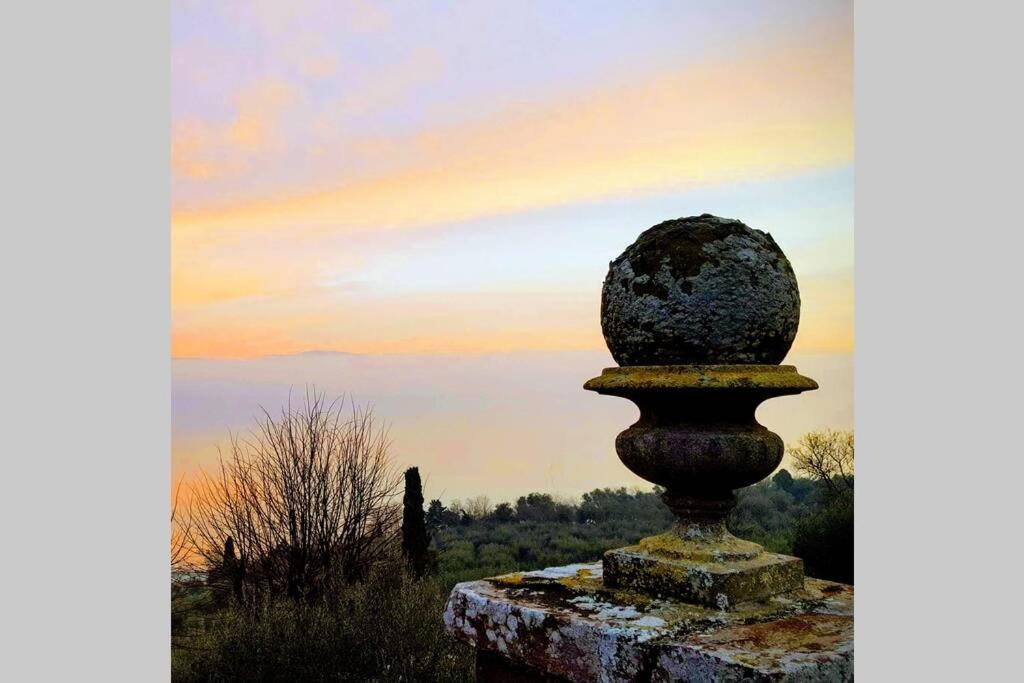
(414,529)
(220,577)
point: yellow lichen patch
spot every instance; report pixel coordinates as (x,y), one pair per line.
(671,545)
(752,660)
(719,583)
(778,378)
(515,579)
(582,581)
(584,595)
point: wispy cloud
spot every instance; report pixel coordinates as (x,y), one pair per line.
(784,110)
(741,115)
(299,195)
(202,149)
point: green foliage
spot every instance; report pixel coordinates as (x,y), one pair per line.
(825,541)
(387,628)
(784,480)
(541,532)
(438,515)
(494,555)
(602,506)
(538,507)
(191,603)
(503,513)
(827,457)
(767,514)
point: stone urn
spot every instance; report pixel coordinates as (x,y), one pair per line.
(699,312)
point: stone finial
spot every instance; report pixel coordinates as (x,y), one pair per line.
(701,289)
(698,312)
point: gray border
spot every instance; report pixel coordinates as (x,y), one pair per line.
(937,334)
(86,351)
(84,280)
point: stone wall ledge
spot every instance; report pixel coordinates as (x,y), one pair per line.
(561,623)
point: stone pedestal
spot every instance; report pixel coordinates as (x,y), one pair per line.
(698,438)
(564,624)
(714,583)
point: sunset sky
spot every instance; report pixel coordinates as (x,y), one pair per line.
(445,183)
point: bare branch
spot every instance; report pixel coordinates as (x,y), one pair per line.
(827,457)
(307,497)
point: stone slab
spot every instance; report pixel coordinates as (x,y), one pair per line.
(562,623)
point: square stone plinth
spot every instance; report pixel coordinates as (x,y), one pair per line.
(564,624)
(715,584)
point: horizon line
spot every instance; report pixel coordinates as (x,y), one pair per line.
(328,352)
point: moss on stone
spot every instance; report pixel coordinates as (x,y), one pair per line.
(701,289)
(671,546)
(720,584)
(515,579)
(772,379)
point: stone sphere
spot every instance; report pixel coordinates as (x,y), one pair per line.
(700,290)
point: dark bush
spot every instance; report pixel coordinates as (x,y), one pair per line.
(387,628)
(503,513)
(825,541)
(784,480)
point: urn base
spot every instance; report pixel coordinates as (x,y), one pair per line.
(720,574)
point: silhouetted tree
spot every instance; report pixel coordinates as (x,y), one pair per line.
(827,457)
(601,505)
(229,566)
(437,515)
(541,507)
(415,540)
(503,513)
(478,507)
(226,579)
(307,499)
(784,480)
(824,541)
(183,576)
(181,529)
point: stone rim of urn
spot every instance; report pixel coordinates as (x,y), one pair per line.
(699,312)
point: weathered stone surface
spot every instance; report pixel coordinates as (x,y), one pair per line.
(698,437)
(563,623)
(697,432)
(763,380)
(701,289)
(721,584)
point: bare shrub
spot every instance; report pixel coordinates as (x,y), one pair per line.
(307,498)
(181,528)
(478,507)
(827,457)
(186,581)
(386,628)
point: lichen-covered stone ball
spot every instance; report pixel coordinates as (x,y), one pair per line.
(700,290)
